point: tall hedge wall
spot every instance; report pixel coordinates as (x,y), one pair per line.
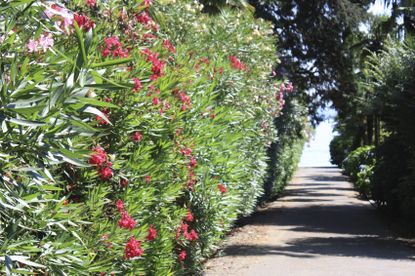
(133,133)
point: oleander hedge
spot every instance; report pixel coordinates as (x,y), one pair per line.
(133,133)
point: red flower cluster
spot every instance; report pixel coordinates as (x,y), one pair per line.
(91,3)
(83,22)
(192,162)
(182,255)
(155,101)
(137,136)
(105,172)
(126,221)
(133,248)
(222,188)
(148,37)
(186,151)
(120,205)
(184,98)
(137,85)
(100,159)
(99,156)
(144,18)
(157,64)
(189,216)
(152,233)
(113,47)
(236,63)
(289,88)
(184,229)
(169,46)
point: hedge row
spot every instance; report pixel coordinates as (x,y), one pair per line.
(385,171)
(133,133)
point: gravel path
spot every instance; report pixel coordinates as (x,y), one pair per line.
(318,228)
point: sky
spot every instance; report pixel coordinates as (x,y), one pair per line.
(316,152)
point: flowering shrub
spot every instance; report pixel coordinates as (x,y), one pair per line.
(359,165)
(129,146)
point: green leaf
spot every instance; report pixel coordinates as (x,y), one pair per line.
(25,260)
(81,44)
(96,102)
(73,161)
(111,62)
(51,188)
(25,122)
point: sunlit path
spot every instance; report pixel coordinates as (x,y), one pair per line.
(318,228)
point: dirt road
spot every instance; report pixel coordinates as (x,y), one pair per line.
(318,228)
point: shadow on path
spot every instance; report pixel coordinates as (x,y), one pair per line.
(320,215)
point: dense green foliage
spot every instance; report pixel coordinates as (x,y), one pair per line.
(392,85)
(133,136)
(359,166)
(286,150)
(388,87)
(339,149)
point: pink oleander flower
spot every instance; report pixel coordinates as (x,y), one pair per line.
(133,248)
(222,188)
(120,205)
(156,101)
(192,162)
(169,46)
(186,151)
(137,85)
(137,136)
(289,88)
(66,16)
(126,221)
(182,256)
(236,63)
(98,157)
(101,120)
(190,236)
(32,46)
(144,18)
(91,3)
(152,233)
(105,172)
(46,41)
(84,22)
(189,216)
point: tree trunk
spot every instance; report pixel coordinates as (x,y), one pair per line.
(377,130)
(369,129)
